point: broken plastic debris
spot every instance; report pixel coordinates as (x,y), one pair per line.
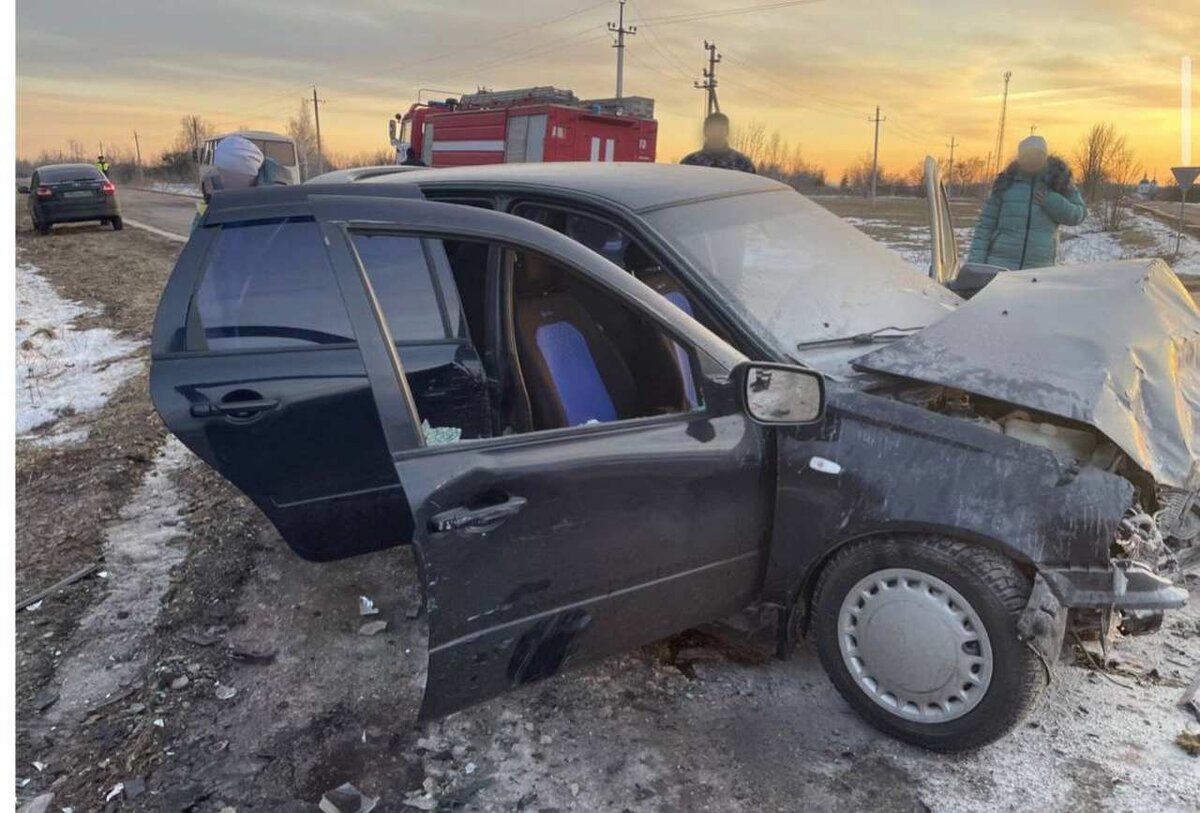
(117,788)
(366,606)
(159,723)
(440,435)
(224,692)
(347,799)
(102,574)
(35,605)
(469,769)
(372,627)
(22,782)
(41,766)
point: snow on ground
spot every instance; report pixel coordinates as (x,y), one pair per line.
(188,189)
(62,370)
(1085,243)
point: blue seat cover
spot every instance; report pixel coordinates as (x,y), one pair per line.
(580,388)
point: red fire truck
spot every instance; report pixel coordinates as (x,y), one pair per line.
(526,125)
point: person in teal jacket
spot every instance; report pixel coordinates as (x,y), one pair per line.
(1018,227)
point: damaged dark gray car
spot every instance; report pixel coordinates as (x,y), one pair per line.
(607,403)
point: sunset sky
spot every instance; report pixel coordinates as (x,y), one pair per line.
(95,71)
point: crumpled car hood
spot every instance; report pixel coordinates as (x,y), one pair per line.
(1114,345)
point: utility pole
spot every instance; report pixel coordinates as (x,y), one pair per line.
(137,146)
(620,30)
(1003,119)
(950,171)
(709,85)
(317,119)
(875,155)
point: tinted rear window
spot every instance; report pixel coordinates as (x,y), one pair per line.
(82,172)
(270,285)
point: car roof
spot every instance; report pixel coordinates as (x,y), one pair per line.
(262,135)
(639,187)
(361,173)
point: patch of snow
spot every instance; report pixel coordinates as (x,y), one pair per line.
(187,189)
(61,369)
(1188,261)
(1088,243)
(140,549)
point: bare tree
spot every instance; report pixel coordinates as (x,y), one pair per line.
(1121,172)
(1093,155)
(193,131)
(750,140)
(302,130)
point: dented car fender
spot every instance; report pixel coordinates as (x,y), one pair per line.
(880,467)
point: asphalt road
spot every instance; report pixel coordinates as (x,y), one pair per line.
(170,213)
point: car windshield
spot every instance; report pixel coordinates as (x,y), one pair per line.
(70,172)
(797,273)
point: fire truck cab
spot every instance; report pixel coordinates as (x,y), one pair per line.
(539,124)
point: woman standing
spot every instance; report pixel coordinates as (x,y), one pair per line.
(1018,227)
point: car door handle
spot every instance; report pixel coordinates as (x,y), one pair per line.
(235,409)
(476,520)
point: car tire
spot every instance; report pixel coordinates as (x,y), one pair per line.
(936,663)
(117,223)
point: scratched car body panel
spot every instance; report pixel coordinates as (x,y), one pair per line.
(537,375)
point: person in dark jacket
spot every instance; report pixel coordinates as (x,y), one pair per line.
(411,159)
(716,151)
(1018,227)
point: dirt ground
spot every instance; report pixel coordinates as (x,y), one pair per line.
(206,666)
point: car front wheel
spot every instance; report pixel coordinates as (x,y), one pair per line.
(919,635)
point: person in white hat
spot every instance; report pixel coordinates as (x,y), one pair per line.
(238,163)
(1031,198)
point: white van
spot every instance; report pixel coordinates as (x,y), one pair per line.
(279,148)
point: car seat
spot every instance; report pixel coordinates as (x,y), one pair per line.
(572,371)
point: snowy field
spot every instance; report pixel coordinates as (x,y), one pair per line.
(1143,236)
(63,370)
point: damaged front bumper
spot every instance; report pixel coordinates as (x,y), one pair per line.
(1129,587)
(1123,585)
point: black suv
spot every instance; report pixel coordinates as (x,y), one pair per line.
(540,376)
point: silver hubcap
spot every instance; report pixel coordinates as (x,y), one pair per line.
(914,645)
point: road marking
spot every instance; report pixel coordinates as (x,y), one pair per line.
(170,235)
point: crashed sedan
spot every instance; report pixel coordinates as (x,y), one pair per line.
(608,403)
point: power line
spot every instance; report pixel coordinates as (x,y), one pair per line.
(663,50)
(687,17)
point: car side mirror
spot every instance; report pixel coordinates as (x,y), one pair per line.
(781,393)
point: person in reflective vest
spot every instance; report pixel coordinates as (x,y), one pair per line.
(102,164)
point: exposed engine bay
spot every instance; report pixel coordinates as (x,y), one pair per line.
(1162,520)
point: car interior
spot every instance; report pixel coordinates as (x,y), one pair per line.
(562,352)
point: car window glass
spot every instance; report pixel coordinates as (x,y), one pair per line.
(565,352)
(282,152)
(619,248)
(270,285)
(401,279)
(70,172)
